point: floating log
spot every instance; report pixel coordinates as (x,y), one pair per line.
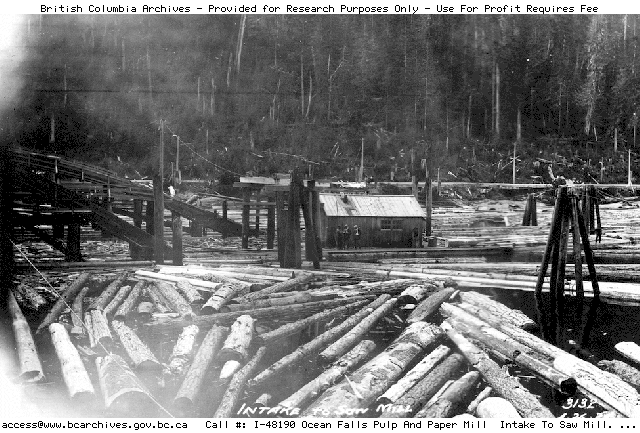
(176,302)
(284,286)
(236,346)
(605,386)
(89,327)
(516,318)
(220,297)
(430,305)
(351,338)
(65,300)
(122,391)
(415,398)
(31,297)
(497,407)
(629,350)
(195,375)
(127,305)
(120,296)
(287,312)
(98,264)
(138,352)
(181,354)
(291,328)
(508,347)
(237,385)
(30,367)
(449,402)
(486,392)
(189,292)
(77,312)
(243,286)
(159,302)
(100,327)
(296,298)
(229,369)
(108,293)
(73,372)
(627,372)
(205,285)
(144,311)
(416,374)
(414,294)
(371,380)
(508,387)
(330,376)
(317,343)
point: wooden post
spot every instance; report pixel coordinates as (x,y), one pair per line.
(310,238)
(534,210)
(439,183)
(317,218)
(246,208)
(629,163)
(225,208)
(158,220)
(176,225)
(615,140)
(257,211)
(429,204)
(281,216)
(106,203)
(558,291)
(58,230)
(271,225)
(134,251)
(73,243)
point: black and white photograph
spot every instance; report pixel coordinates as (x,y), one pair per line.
(328,217)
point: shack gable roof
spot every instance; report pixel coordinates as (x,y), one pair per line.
(390,206)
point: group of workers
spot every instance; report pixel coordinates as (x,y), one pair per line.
(346,238)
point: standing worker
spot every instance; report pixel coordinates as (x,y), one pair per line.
(346,234)
(338,236)
(416,237)
(356,237)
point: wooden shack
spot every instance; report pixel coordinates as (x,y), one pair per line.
(384,220)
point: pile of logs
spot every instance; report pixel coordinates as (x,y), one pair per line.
(264,341)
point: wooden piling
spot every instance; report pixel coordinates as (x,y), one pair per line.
(134,250)
(271,226)
(246,208)
(176,247)
(73,243)
(158,220)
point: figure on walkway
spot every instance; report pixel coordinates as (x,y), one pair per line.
(338,236)
(356,237)
(415,237)
(346,234)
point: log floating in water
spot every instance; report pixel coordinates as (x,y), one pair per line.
(195,375)
(414,375)
(159,302)
(30,296)
(291,328)
(237,385)
(122,391)
(351,338)
(77,312)
(65,300)
(316,344)
(496,407)
(30,367)
(370,381)
(127,305)
(144,311)
(204,285)
(449,402)
(108,293)
(220,297)
(627,372)
(502,383)
(516,318)
(100,328)
(629,350)
(175,300)
(189,292)
(284,286)
(73,371)
(486,392)
(415,398)
(414,294)
(137,351)
(181,354)
(430,305)
(236,346)
(330,376)
(120,296)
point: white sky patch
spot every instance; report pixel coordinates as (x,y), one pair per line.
(12,41)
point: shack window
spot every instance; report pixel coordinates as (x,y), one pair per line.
(391,224)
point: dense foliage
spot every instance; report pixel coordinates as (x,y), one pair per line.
(262,93)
